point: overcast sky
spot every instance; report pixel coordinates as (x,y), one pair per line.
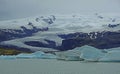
(23,8)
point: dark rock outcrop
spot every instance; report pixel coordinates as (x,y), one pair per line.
(49,20)
(103,40)
(113,25)
(49,44)
(9,34)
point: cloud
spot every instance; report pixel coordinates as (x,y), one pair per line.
(17,8)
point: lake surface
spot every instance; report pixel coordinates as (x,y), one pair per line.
(46,66)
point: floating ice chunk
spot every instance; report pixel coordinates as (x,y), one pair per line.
(71,55)
(86,52)
(38,54)
(73,58)
(25,56)
(49,56)
(7,57)
(43,55)
(90,53)
(111,56)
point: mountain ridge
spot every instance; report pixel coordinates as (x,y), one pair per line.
(55,32)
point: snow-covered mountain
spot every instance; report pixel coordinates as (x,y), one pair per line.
(61,32)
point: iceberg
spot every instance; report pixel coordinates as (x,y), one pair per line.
(111,56)
(38,54)
(35,55)
(90,53)
(25,56)
(70,55)
(87,53)
(49,56)
(5,57)
(43,55)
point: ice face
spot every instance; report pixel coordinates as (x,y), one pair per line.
(90,53)
(68,55)
(25,56)
(7,57)
(49,56)
(111,56)
(36,55)
(87,53)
